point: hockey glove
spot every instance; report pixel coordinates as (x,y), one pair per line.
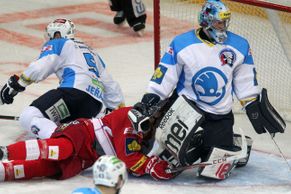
(157,169)
(10,89)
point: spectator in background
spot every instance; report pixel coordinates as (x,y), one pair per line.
(133,11)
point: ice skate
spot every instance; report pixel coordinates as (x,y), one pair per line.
(119,18)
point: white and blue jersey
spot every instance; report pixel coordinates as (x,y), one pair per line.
(209,74)
(76,66)
(86,191)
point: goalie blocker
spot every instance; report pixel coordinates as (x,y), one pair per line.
(263,115)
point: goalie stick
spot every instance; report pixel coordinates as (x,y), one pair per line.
(272,135)
(242,154)
(9,117)
(182,168)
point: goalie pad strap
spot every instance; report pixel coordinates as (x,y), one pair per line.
(263,115)
(178,126)
(237,140)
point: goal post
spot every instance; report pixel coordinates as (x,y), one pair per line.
(265,24)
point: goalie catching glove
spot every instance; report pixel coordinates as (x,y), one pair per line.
(11,89)
(263,115)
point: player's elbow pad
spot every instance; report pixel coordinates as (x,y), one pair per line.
(263,115)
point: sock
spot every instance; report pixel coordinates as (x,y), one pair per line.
(16,170)
(52,149)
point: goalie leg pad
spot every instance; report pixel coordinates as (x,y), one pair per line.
(237,140)
(221,167)
(177,127)
(263,115)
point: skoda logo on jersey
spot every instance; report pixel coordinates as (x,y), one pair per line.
(209,85)
(227,57)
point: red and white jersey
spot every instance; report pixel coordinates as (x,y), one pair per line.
(75,146)
(115,134)
(206,73)
(111,135)
(77,66)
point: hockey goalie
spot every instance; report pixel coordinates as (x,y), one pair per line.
(209,66)
(179,136)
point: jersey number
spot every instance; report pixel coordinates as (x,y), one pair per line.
(91,63)
(138,8)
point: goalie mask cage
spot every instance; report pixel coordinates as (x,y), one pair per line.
(266,25)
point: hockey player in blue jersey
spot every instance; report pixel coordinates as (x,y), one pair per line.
(209,66)
(85,86)
(109,176)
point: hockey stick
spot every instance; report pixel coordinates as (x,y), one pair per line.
(9,117)
(279,149)
(242,154)
(182,168)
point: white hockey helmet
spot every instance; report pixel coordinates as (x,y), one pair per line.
(213,14)
(109,171)
(64,26)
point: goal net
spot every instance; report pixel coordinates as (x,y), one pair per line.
(266,25)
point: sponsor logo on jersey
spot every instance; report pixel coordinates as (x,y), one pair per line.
(227,57)
(138,164)
(19,171)
(53,152)
(131,146)
(159,74)
(98,84)
(209,85)
(47,48)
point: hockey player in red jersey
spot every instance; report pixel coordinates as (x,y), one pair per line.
(75,146)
